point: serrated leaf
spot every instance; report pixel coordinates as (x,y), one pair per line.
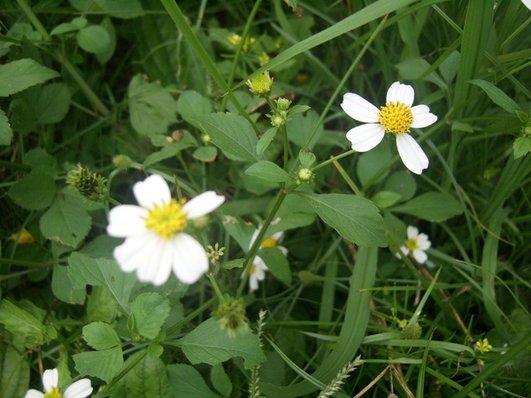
(208,343)
(85,270)
(186,381)
(496,95)
(19,75)
(355,219)
(66,221)
(191,106)
(431,206)
(277,263)
(6,134)
(231,133)
(25,326)
(147,379)
(268,171)
(94,39)
(63,288)
(150,311)
(103,364)
(42,161)
(100,336)
(34,191)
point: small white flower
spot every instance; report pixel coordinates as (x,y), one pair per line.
(155,244)
(259,268)
(50,380)
(417,244)
(396,117)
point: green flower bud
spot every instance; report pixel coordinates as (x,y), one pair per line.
(122,162)
(260,85)
(412,332)
(283,104)
(305,175)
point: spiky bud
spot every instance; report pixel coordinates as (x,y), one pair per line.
(88,183)
(231,316)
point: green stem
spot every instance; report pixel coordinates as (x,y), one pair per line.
(15,166)
(333,159)
(198,311)
(347,179)
(257,242)
(215,286)
(27,263)
(284,133)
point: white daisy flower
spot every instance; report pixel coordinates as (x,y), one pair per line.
(396,117)
(259,267)
(50,380)
(416,244)
(155,243)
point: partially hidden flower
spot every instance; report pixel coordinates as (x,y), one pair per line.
(259,267)
(50,380)
(396,117)
(155,243)
(416,244)
(483,346)
(22,237)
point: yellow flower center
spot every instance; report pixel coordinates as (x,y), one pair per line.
(54,393)
(412,244)
(167,220)
(395,117)
(269,242)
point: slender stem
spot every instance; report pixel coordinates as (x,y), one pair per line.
(333,159)
(256,244)
(284,133)
(215,286)
(15,166)
(27,263)
(347,179)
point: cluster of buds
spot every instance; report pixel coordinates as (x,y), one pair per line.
(215,252)
(87,182)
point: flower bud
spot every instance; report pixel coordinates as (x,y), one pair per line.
(122,162)
(283,104)
(412,332)
(231,316)
(88,183)
(304,175)
(260,85)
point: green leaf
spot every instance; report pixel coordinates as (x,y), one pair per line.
(384,199)
(148,379)
(66,221)
(265,140)
(186,381)
(14,372)
(192,106)
(150,311)
(205,154)
(94,39)
(34,191)
(496,95)
(19,75)
(85,270)
(6,134)
(63,288)
(231,133)
(268,171)
(166,152)
(100,336)
(431,206)
(101,305)
(306,158)
(277,263)
(208,343)
(521,146)
(151,107)
(354,218)
(414,68)
(103,364)
(52,103)
(372,165)
(26,328)
(125,9)
(237,263)
(300,129)
(402,183)
(220,380)
(42,161)
(105,56)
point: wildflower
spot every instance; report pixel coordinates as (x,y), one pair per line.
(88,183)
(396,117)
(22,237)
(259,268)
(155,242)
(417,244)
(50,379)
(263,59)
(260,84)
(234,39)
(483,346)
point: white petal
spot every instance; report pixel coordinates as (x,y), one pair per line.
(422,116)
(259,266)
(527,3)
(411,153)
(80,389)
(366,136)
(189,259)
(151,192)
(420,256)
(253,282)
(405,250)
(164,269)
(403,93)
(50,379)
(34,394)
(358,108)
(203,204)
(152,255)
(277,236)
(127,220)
(135,252)
(412,232)
(283,250)
(423,242)
(255,235)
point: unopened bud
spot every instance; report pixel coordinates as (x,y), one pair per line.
(231,316)
(88,183)
(260,85)
(305,174)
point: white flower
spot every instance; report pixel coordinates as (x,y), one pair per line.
(396,117)
(155,243)
(527,3)
(417,244)
(259,267)
(50,380)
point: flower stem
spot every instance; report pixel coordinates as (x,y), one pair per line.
(216,288)
(333,159)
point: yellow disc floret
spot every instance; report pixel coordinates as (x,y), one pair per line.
(412,244)
(53,393)
(167,220)
(269,242)
(395,117)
